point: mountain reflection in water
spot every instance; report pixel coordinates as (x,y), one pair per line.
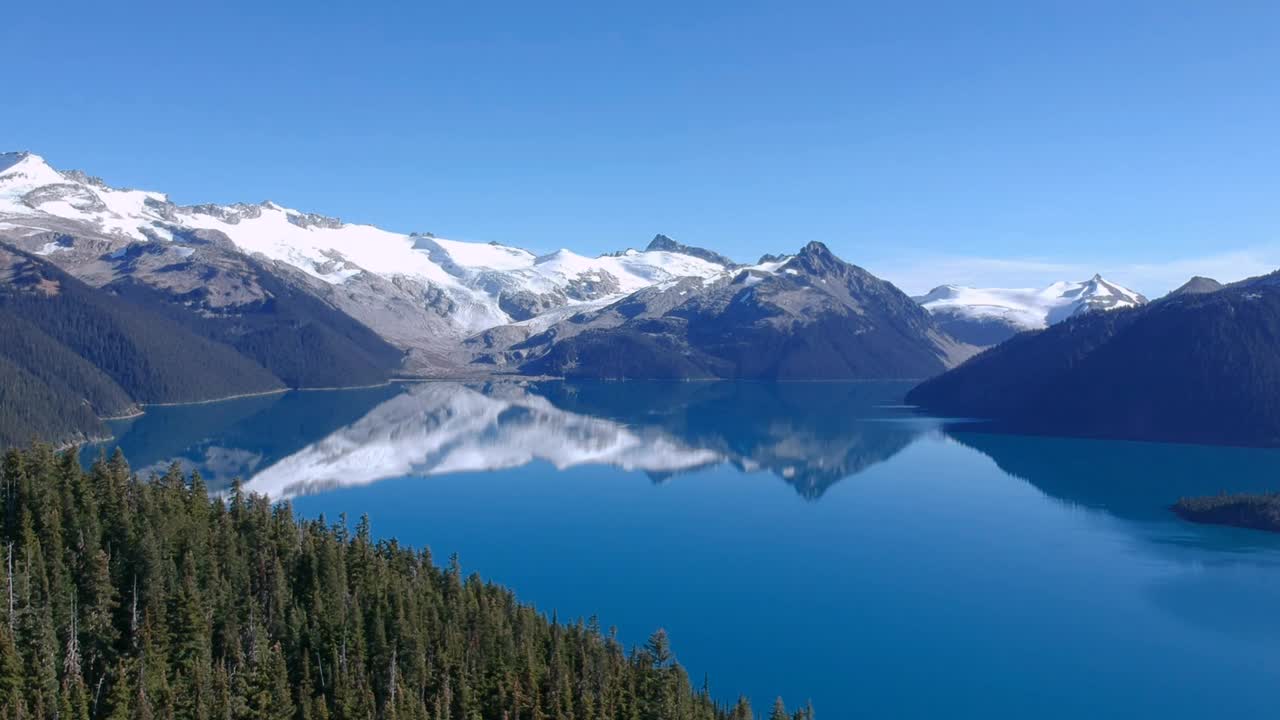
(953,555)
(811,435)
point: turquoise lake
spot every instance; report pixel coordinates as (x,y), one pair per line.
(811,540)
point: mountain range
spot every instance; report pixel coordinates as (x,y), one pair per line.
(1197,366)
(207,301)
(987,316)
(312,301)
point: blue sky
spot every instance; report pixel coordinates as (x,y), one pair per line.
(980,142)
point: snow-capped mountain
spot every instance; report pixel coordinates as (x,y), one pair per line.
(418,291)
(805,316)
(986,316)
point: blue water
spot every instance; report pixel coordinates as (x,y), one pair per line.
(814,541)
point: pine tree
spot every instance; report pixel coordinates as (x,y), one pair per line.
(12,684)
(132,599)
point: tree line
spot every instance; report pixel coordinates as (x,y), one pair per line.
(129,598)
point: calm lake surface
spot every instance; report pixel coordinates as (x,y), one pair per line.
(810,540)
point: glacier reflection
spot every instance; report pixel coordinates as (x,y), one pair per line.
(810,435)
(438,428)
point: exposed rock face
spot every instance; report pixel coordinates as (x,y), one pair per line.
(73,195)
(662,242)
(814,316)
(1197,286)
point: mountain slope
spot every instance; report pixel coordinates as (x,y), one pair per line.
(150,357)
(55,364)
(809,316)
(987,316)
(299,337)
(100,353)
(32,409)
(1198,285)
(1191,368)
(421,293)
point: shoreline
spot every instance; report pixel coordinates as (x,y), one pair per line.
(210,401)
(129,416)
(142,407)
(511,377)
(242,396)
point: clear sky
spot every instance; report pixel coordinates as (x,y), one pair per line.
(1011,142)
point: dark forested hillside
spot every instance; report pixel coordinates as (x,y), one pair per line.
(298,337)
(31,409)
(128,599)
(150,357)
(57,366)
(1189,368)
(72,353)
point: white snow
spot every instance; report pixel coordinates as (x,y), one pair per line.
(124,211)
(21,173)
(486,255)
(464,271)
(1029,308)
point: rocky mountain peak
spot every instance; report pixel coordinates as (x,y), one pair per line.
(662,243)
(27,168)
(817,258)
(1198,285)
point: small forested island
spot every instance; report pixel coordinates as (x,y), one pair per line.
(1253,511)
(132,598)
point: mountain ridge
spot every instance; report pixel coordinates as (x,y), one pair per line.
(808,317)
(249,271)
(1197,368)
(419,291)
(988,316)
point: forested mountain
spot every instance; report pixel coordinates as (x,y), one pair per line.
(31,408)
(74,353)
(55,364)
(301,339)
(130,599)
(1193,367)
(151,358)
